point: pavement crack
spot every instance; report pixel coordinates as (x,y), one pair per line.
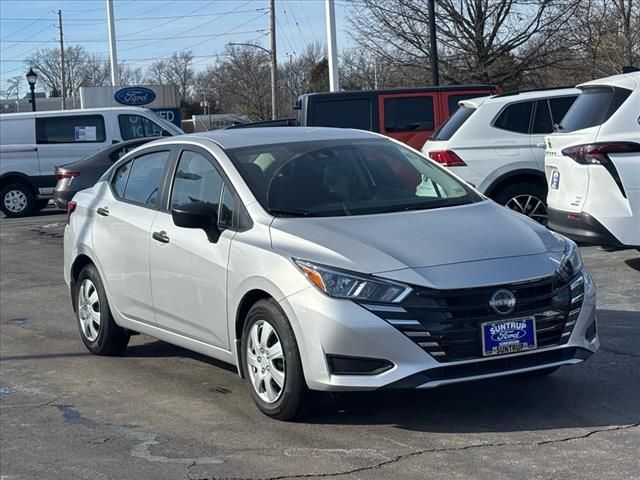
(405,456)
(30,405)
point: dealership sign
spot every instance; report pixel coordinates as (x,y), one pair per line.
(135,96)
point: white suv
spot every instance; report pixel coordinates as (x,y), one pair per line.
(593,164)
(497,144)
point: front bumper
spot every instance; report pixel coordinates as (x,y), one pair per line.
(581,227)
(326,327)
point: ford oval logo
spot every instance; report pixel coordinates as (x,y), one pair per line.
(134,96)
(508,331)
(503,301)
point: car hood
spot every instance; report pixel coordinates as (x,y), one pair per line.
(406,246)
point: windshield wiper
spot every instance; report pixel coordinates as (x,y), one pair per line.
(294,212)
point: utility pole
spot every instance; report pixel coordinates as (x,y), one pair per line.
(435,74)
(330,11)
(274,61)
(113,56)
(62,71)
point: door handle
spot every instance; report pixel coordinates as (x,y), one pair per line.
(104,211)
(161,237)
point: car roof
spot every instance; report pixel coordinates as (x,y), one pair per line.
(75,111)
(629,81)
(510,97)
(248,137)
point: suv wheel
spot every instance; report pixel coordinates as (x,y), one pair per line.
(526,198)
(98,330)
(17,200)
(271,362)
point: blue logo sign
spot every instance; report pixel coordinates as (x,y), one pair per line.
(134,96)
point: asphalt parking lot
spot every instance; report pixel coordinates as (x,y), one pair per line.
(160,412)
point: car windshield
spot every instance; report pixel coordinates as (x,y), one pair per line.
(346,177)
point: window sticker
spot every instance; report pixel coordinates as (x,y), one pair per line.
(86,134)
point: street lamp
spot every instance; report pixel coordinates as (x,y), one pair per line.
(274,74)
(32,78)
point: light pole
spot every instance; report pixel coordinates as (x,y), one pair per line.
(32,78)
(274,73)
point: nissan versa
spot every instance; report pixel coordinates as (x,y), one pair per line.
(321,259)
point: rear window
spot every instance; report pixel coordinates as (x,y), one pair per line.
(408,114)
(355,113)
(453,102)
(515,117)
(70,129)
(593,107)
(453,123)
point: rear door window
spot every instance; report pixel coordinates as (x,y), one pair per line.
(139,180)
(542,122)
(350,113)
(515,117)
(408,114)
(593,107)
(137,126)
(453,123)
(70,129)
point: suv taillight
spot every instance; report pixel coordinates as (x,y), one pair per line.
(597,153)
(71,207)
(447,158)
(62,175)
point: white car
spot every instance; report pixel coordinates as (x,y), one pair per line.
(497,144)
(321,259)
(593,165)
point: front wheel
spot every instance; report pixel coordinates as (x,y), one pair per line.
(271,362)
(17,200)
(528,199)
(98,330)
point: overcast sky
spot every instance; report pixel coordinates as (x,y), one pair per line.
(151,29)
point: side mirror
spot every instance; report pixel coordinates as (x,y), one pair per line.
(202,215)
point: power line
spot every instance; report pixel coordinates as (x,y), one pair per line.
(27,51)
(25,27)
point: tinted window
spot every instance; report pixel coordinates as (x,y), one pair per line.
(454,99)
(542,119)
(515,117)
(453,123)
(345,177)
(408,114)
(70,129)
(560,106)
(593,107)
(137,126)
(226,208)
(119,181)
(354,113)
(143,185)
(196,180)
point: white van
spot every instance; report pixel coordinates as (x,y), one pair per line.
(33,144)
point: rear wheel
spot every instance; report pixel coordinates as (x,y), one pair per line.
(529,199)
(271,362)
(17,200)
(98,330)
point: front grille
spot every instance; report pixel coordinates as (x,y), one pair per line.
(446,323)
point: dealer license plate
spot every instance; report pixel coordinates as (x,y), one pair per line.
(508,336)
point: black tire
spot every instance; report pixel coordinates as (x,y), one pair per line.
(111,339)
(42,204)
(295,397)
(507,195)
(25,192)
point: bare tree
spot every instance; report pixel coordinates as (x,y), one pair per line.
(177,70)
(494,41)
(13,87)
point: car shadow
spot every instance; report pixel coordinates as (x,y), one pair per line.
(634,263)
(600,392)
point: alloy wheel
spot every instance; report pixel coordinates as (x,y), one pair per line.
(89,310)
(265,361)
(529,205)
(15,201)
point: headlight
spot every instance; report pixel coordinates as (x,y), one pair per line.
(571,262)
(341,284)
